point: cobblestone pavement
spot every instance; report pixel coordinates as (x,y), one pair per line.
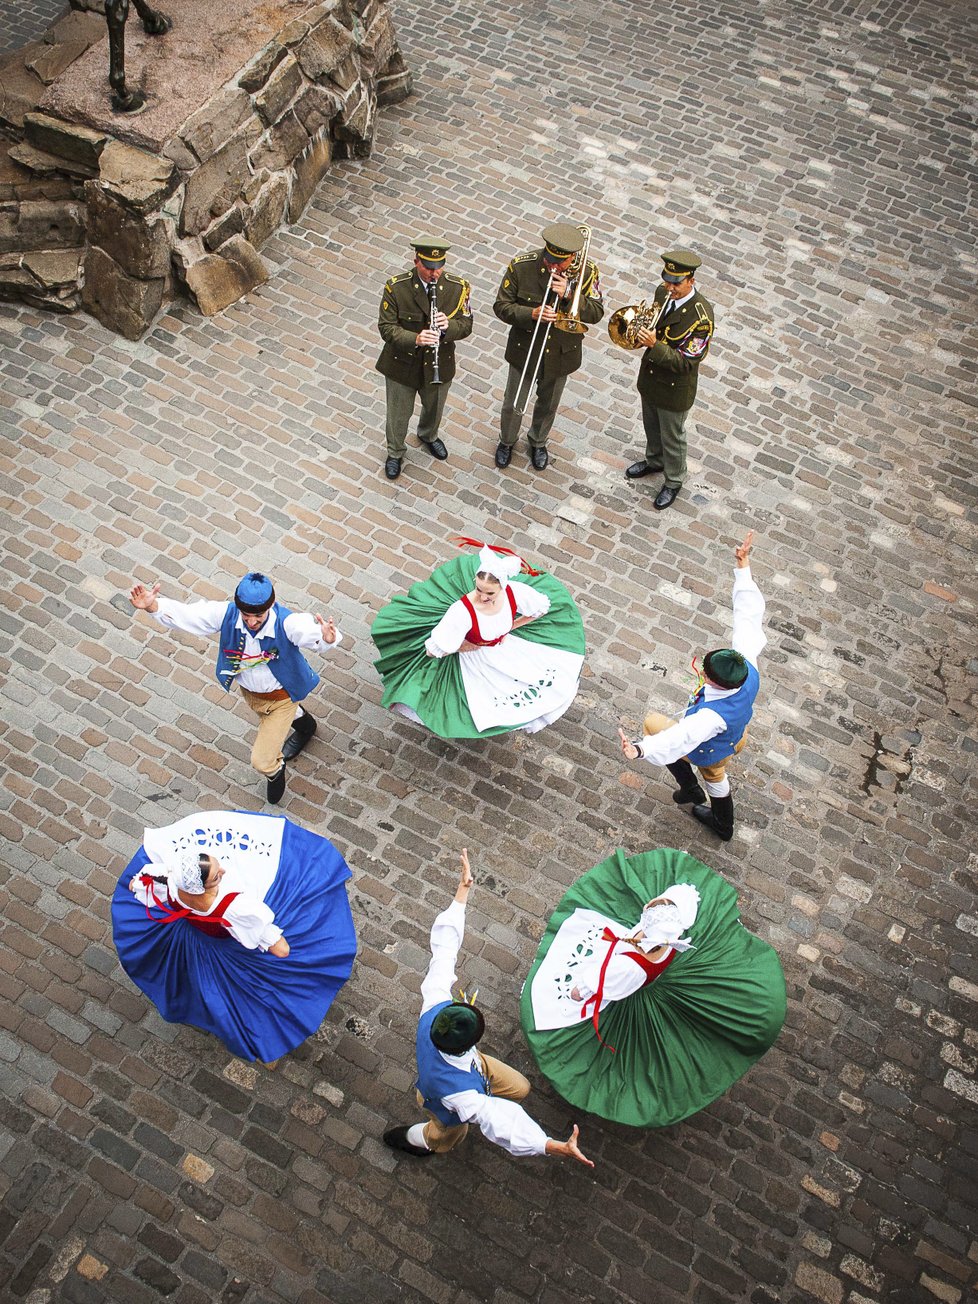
(819,156)
(20,23)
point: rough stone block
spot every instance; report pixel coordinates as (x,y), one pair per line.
(396,82)
(216,122)
(316,108)
(180,154)
(66,140)
(267,209)
(14,281)
(41,224)
(325,48)
(280,145)
(77,25)
(20,89)
(213,188)
(354,129)
(140,247)
(310,168)
(137,179)
(50,63)
(272,101)
(232,223)
(54,268)
(379,44)
(120,302)
(257,73)
(47,165)
(220,279)
(346,74)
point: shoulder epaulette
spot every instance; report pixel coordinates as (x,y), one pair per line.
(401,276)
(530,256)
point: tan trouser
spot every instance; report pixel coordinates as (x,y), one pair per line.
(655,722)
(274,722)
(505,1082)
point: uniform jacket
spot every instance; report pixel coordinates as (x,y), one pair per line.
(524,283)
(667,376)
(404,311)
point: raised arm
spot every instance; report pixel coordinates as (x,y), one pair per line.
(748,637)
(446,941)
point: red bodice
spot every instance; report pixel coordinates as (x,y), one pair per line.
(474,635)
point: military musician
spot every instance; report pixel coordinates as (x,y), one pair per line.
(423,312)
(537,291)
(674,349)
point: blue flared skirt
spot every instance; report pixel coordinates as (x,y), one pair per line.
(260,1006)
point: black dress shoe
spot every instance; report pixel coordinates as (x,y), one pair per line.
(666,496)
(275,786)
(396,1138)
(638,469)
(504,453)
(539,457)
(436,448)
(392,468)
(302,730)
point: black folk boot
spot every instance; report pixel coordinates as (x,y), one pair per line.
(689,789)
(718,816)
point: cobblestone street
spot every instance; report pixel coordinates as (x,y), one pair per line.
(820,158)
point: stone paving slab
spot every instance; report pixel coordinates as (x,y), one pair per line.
(820,158)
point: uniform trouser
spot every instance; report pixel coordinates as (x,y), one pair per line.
(544,409)
(400,409)
(274,722)
(665,441)
(714,777)
(507,1083)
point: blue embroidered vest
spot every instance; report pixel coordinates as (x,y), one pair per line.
(289,666)
(735,711)
(436,1078)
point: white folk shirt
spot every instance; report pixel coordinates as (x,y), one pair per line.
(503,1122)
(748,638)
(453,628)
(250,921)
(208,617)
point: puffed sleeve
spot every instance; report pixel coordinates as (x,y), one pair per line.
(252,923)
(449,634)
(530,602)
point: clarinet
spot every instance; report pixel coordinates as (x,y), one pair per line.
(435,377)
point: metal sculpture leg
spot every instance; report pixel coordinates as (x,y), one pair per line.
(155,23)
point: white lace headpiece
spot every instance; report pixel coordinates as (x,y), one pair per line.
(663,924)
(498,565)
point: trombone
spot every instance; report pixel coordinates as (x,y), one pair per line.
(567,320)
(517,405)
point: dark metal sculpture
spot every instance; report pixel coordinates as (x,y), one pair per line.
(155,23)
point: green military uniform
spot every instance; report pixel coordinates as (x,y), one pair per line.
(522,290)
(668,372)
(405,311)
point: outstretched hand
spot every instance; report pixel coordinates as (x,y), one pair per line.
(628,748)
(742,551)
(465,878)
(143,598)
(569,1149)
(326,628)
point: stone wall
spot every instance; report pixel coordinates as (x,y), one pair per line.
(121,213)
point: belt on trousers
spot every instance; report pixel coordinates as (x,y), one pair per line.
(279,695)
